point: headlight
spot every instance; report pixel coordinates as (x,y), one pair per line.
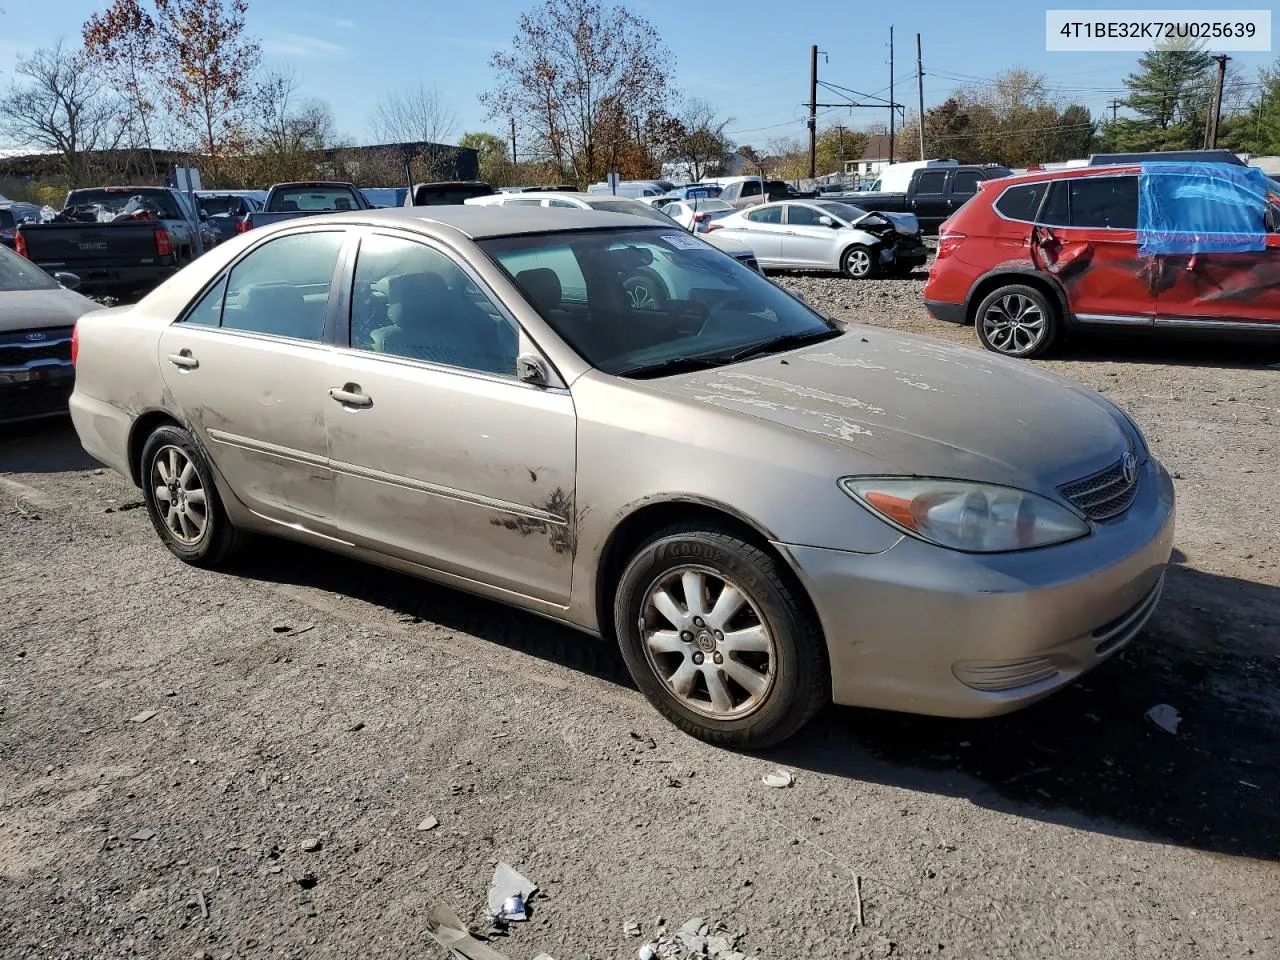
(974,517)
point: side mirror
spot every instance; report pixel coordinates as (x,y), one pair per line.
(826,221)
(204,214)
(68,280)
(531,369)
(797,293)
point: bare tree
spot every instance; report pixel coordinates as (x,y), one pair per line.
(583,79)
(59,104)
(415,115)
(700,146)
(122,41)
(287,123)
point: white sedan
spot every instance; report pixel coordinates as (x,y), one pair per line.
(827,235)
(732,245)
(698,213)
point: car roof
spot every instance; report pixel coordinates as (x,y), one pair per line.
(493,220)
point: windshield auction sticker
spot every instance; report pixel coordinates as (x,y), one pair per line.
(683,243)
(1133,31)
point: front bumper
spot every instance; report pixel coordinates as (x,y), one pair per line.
(922,629)
(35,391)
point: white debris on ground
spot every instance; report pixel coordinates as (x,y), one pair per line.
(697,939)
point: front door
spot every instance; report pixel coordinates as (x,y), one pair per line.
(1087,237)
(248,365)
(807,242)
(441,456)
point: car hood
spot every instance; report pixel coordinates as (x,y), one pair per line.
(905,223)
(912,406)
(41,309)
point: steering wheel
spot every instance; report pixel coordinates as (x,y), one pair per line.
(710,313)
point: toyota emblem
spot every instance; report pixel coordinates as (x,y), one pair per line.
(1129,467)
(35,336)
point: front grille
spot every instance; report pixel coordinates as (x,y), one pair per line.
(1102,495)
(17,351)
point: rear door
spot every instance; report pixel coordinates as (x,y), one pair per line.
(762,229)
(1087,237)
(930,200)
(807,242)
(962,188)
(441,456)
(248,366)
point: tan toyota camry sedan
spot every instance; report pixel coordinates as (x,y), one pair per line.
(763,508)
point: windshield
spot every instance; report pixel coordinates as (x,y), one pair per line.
(286,199)
(708,204)
(159,202)
(639,302)
(845,211)
(19,273)
(633,207)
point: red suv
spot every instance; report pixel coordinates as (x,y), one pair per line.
(1033,256)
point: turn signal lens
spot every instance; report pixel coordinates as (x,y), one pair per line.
(973,517)
(75,343)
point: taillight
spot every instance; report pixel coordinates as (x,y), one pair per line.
(948,243)
(75,342)
(701,217)
(713,226)
(164,243)
(20,245)
(243,226)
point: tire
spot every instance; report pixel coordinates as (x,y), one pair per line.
(1017,321)
(218,540)
(789,682)
(647,290)
(859,263)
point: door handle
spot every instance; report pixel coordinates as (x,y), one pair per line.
(183,360)
(350,395)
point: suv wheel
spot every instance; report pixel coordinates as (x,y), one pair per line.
(1017,321)
(718,639)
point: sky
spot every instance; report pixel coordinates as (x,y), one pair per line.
(750,59)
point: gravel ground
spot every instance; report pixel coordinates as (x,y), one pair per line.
(237,764)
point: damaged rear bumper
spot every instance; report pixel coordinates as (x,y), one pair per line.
(922,629)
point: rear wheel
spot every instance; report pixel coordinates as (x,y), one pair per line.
(859,262)
(1017,321)
(718,638)
(182,501)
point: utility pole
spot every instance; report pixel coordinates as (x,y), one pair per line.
(920,92)
(813,110)
(891,100)
(513,142)
(1211,137)
(1114,105)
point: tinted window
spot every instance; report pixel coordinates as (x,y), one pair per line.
(1055,212)
(6,220)
(931,181)
(282,288)
(751,188)
(410,300)
(208,311)
(766,215)
(215,206)
(965,182)
(1104,202)
(1021,203)
(804,216)
(633,207)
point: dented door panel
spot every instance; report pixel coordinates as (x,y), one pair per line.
(1241,290)
(469,474)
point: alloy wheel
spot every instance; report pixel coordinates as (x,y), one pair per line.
(858,263)
(180,496)
(705,640)
(1014,324)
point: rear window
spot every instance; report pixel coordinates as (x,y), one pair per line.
(1021,203)
(448,194)
(6,220)
(318,199)
(216,206)
(635,209)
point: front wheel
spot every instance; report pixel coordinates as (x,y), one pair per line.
(719,640)
(859,263)
(1017,321)
(182,501)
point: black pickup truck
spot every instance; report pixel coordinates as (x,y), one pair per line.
(287,201)
(933,194)
(120,241)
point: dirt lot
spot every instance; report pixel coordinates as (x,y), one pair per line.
(300,697)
